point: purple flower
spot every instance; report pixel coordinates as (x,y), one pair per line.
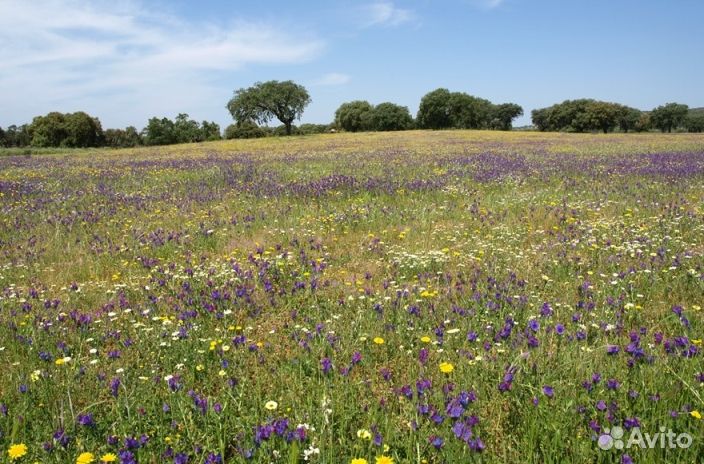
(560,329)
(326,365)
(423,355)
(181,458)
(114,386)
(612,349)
(548,391)
(86,420)
(612,384)
(436,441)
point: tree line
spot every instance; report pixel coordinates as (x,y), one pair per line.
(439,109)
(254,107)
(80,130)
(587,115)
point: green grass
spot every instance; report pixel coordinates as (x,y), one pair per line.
(283,254)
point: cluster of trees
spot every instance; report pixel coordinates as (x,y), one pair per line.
(587,115)
(360,115)
(442,109)
(439,109)
(80,130)
(285,101)
(164,131)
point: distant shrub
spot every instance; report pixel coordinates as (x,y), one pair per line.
(244,130)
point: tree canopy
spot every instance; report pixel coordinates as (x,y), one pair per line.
(442,109)
(669,116)
(71,130)
(355,116)
(586,115)
(265,101)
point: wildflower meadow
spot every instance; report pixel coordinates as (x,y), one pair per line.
(373,298)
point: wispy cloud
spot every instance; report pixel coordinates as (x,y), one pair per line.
(331,79)
(95,55)
(387,14)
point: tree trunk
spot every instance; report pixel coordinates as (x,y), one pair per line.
(288,127)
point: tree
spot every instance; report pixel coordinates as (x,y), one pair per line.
(669,116)
(391,117)
(354,116)
(434,110)
(502,115)
(469,112)
(643,124)
(49,130)
(82,131)
(186,130)
(244,130)
(601,116)
(17,136)
(159,132)
(3,142)
(122,138)
(210,131)
(695,121)
(265,101)
(628,118)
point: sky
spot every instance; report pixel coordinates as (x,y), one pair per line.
(127,61)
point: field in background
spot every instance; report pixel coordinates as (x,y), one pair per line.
(454,296)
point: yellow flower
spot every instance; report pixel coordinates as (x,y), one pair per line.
(359,461)
(271,405)
(425,339)
(17,451)
(364,434)
(446,367)
(378,340)
(696,414)
(109,457)
(384,460)
(85,458)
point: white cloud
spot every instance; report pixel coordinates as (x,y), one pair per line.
(331,79)
(386,14)
(116,59)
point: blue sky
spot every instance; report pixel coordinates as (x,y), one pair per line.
(126,61)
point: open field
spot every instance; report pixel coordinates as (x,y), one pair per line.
(430,297)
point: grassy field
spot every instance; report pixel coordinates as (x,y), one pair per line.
(416,297)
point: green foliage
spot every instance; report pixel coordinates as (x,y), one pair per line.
(434,110)
(354,116)
(70,130)
(694,121)
(309,129)
(122,138)
(244,130)
(669,116)
(2,138)
(265,101)
(469,112)
(17,136)
(586,115)
(210,131)
(159,132)
(502,115)
(391,117)
(628,118)
(183,130)
(442,109)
